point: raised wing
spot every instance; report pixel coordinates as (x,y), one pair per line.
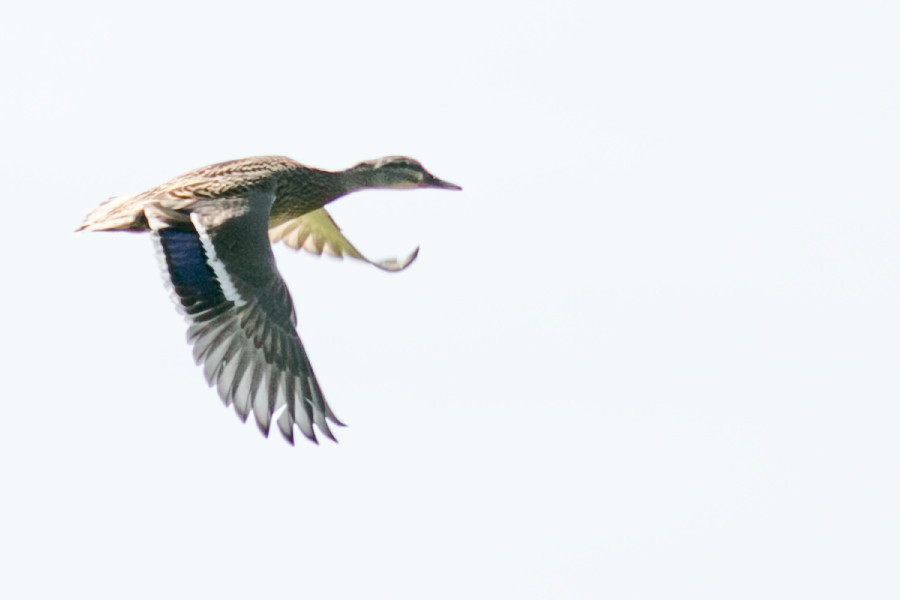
(220,266)
(317,232)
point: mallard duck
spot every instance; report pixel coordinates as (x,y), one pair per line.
(212,229)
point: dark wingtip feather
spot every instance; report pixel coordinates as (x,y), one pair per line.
(332,417)
(241,414)
(263,427)
(329,435)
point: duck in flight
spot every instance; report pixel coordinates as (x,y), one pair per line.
(212,229)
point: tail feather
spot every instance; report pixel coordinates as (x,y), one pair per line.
(122,213)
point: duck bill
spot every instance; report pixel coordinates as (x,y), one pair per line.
(433,182)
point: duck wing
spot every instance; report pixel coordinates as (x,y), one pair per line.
(219,265)
(317,232)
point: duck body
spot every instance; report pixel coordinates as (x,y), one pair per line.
(212,229)
(296,190)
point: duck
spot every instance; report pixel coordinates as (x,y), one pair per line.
(213,229)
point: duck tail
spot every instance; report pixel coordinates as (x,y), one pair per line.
(122,213)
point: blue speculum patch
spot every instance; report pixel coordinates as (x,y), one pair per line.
(194,280)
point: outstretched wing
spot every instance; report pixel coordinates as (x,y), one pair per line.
(241,318)
(317,232)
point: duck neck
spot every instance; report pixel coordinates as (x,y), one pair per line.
(306,190)
(354,178)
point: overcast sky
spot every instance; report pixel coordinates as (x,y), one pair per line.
(650,351)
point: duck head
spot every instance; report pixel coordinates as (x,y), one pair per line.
(398,172)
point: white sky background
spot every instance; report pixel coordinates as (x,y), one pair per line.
(650,351)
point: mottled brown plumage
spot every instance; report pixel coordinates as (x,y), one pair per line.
(212,228)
